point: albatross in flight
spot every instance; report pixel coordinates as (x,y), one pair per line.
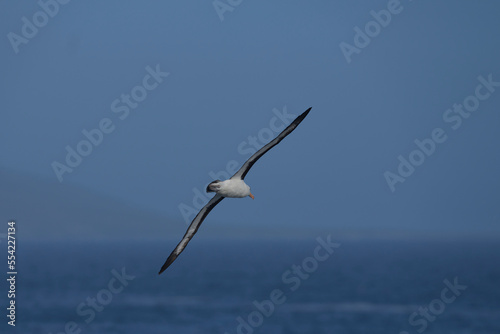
(234,187)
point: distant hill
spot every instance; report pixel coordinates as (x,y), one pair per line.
(49,209)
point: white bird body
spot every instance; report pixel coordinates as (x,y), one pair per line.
(235,188)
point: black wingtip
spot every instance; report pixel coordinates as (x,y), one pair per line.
(163,268)
(301,117)
(167,263)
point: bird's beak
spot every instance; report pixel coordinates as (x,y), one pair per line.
(251,196)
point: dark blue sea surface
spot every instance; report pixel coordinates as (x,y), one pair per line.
(362,287)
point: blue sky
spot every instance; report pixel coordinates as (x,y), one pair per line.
(227,80)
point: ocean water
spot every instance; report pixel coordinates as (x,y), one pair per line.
(362,287)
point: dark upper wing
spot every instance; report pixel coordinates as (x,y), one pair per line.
(249,163)
(195,224)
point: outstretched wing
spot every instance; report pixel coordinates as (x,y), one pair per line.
(195,224)
(253,159)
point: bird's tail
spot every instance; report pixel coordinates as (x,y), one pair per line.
(213,186)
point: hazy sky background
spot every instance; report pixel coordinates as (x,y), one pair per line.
(226,77)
